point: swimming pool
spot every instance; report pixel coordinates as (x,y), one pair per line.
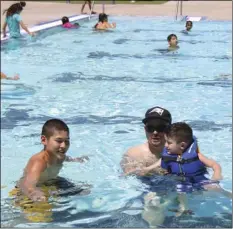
(101,84)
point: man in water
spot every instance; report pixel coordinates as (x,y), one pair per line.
(155,121)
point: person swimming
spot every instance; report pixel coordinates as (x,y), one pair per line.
(172,41)
(189,25)
(66,23)
(103,23)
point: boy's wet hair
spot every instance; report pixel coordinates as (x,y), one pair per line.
(181,132)
(170,37)
(14,8)
(189,22)
(103,17)
(65,20)
(53,125)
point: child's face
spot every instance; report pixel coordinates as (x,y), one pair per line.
(57,145)
(189,26)
(173,42)
(172,146)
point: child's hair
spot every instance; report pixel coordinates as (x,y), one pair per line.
(15,8)
(65,20)
(170,37)
(181,132)
(53,125)
(189,22)
(103,17)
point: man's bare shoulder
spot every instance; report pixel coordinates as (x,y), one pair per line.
(137,151)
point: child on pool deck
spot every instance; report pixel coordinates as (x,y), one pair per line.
(45,165)
(103,23)
(66,23)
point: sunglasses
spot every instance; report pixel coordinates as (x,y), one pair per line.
(158,128)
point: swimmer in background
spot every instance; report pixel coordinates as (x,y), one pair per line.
(45,166)
(14,21)
(66,23)
(172,41)
(189,25)
(89,4)
(4,76)
(103,23)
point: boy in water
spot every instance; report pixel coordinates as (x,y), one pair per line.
(44,166)
(103,23)
(181,157)
(172,41)
(189,25)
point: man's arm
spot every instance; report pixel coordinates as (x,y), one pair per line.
(30,180)
(129,165)
(212,164)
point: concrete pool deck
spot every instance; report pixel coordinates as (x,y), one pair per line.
(38,12)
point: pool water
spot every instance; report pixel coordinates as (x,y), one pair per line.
(101,84)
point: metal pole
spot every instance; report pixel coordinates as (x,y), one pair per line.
(181,8)
(103,7)
(93,2)
(177,8)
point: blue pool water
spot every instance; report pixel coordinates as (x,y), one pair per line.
(101,84)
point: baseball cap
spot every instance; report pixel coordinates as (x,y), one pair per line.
(159,115)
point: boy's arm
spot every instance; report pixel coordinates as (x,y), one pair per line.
(4,29)
(31,178)
(77,159)
(212,164)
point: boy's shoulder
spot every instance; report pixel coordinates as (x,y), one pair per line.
(39,159)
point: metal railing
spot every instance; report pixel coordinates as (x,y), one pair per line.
(92,7)
(179,5)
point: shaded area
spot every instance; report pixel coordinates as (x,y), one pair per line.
(68,77)
(101,54)
(217,82)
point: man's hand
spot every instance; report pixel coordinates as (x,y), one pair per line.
(217,176)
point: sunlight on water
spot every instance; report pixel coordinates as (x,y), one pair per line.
(101,84)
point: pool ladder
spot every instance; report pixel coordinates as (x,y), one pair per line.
(179,5)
